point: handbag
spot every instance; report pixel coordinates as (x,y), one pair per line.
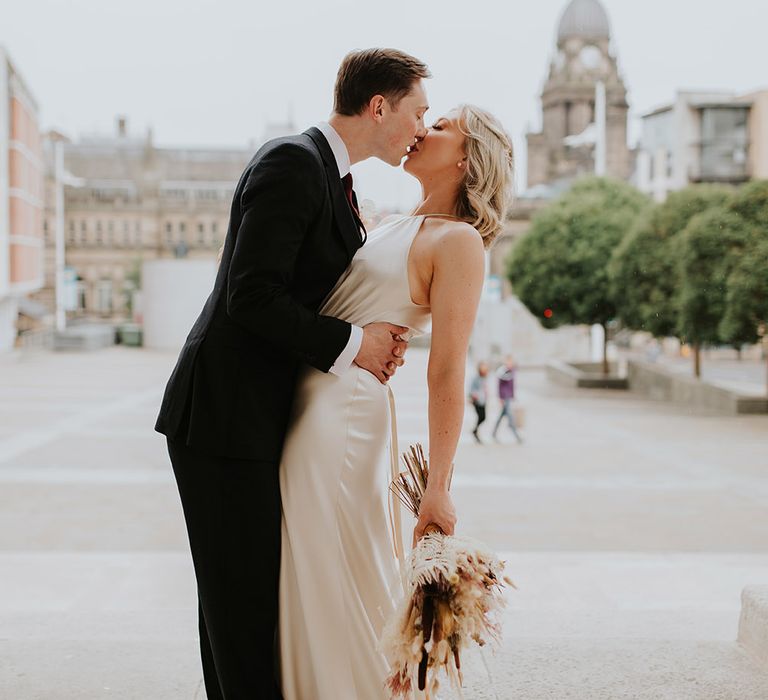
(518,415)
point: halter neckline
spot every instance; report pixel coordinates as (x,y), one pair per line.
(448,216)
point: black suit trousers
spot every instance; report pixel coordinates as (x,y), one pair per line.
(232,511)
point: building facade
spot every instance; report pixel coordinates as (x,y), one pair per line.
(127,200)
(21,199)
(703,137)
(564,148)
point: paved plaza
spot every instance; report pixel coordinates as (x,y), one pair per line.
(630,527)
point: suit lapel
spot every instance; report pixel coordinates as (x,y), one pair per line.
(350,227)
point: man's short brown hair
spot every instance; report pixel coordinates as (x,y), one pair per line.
(363,74)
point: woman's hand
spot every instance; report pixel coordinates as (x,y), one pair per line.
(437,509)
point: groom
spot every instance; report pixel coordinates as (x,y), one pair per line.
(294,227)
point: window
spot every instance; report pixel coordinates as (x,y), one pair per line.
(182,227)
(81,295)
(724,143)
(104,296)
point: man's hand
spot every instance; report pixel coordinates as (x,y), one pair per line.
(382,350)
(437,509)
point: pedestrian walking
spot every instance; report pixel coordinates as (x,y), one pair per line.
(478,396)
(506,378)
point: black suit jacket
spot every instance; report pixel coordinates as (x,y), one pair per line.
(291,235)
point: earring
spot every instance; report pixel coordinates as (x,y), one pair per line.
(459,163)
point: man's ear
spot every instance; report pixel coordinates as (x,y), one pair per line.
(376,107)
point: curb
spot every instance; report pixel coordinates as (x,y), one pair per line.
(585,375)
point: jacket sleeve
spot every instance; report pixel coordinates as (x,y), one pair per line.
(281,197)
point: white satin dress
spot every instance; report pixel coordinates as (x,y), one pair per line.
(339,579)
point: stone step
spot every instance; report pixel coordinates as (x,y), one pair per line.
(614,669)
(528,668)
(753,624)
(582,625)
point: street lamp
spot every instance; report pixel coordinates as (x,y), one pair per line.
(62,177)
(595,132)
(595,135)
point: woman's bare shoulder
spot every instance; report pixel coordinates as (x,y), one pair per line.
(458,235)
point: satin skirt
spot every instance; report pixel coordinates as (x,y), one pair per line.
(339,578)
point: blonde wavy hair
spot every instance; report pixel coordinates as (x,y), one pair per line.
(487,189)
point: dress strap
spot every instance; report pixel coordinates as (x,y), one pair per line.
(395,513)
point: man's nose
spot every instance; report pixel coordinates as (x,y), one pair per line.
(421,133)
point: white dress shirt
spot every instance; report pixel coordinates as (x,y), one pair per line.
(347,357)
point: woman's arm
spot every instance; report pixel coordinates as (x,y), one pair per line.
(457,281)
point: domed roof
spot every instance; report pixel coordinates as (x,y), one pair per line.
(585,19)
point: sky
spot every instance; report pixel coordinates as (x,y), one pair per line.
(215,73)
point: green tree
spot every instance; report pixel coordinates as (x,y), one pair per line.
(707,249)
(746,303)
(559,269)
(751,202)
(643,270)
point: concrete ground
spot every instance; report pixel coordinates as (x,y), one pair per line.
(629,527)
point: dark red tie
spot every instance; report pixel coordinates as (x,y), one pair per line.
(347,180)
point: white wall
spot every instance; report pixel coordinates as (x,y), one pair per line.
(8,314)
(758,135)
(508,327)
(173,295)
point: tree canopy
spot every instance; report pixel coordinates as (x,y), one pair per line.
(643,269)
(559,269)
(707,250)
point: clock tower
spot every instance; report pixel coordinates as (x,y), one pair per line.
(565,147)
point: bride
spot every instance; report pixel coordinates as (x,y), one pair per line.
(339,579)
